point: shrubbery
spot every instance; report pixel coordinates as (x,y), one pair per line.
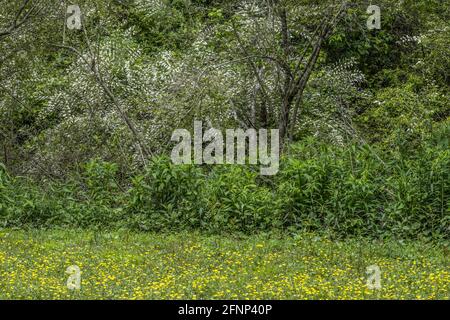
(343,191)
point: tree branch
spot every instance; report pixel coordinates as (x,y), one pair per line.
(17,22)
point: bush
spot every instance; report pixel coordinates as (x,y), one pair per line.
(333,188)
(343,191)
(166,196)
(235,201)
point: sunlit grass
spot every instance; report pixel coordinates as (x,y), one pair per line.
(191,266)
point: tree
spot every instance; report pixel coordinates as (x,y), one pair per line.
(292,51)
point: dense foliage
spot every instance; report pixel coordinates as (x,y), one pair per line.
(86,115)
(347,191)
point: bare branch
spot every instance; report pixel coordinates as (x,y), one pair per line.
(18,21)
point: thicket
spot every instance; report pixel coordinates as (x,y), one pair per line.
(369,153)
(343,191)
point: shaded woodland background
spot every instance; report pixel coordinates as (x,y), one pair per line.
(86,115)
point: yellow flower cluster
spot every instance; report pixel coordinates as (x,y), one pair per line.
(189,266)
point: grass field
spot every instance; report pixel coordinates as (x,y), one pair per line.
(191,266)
